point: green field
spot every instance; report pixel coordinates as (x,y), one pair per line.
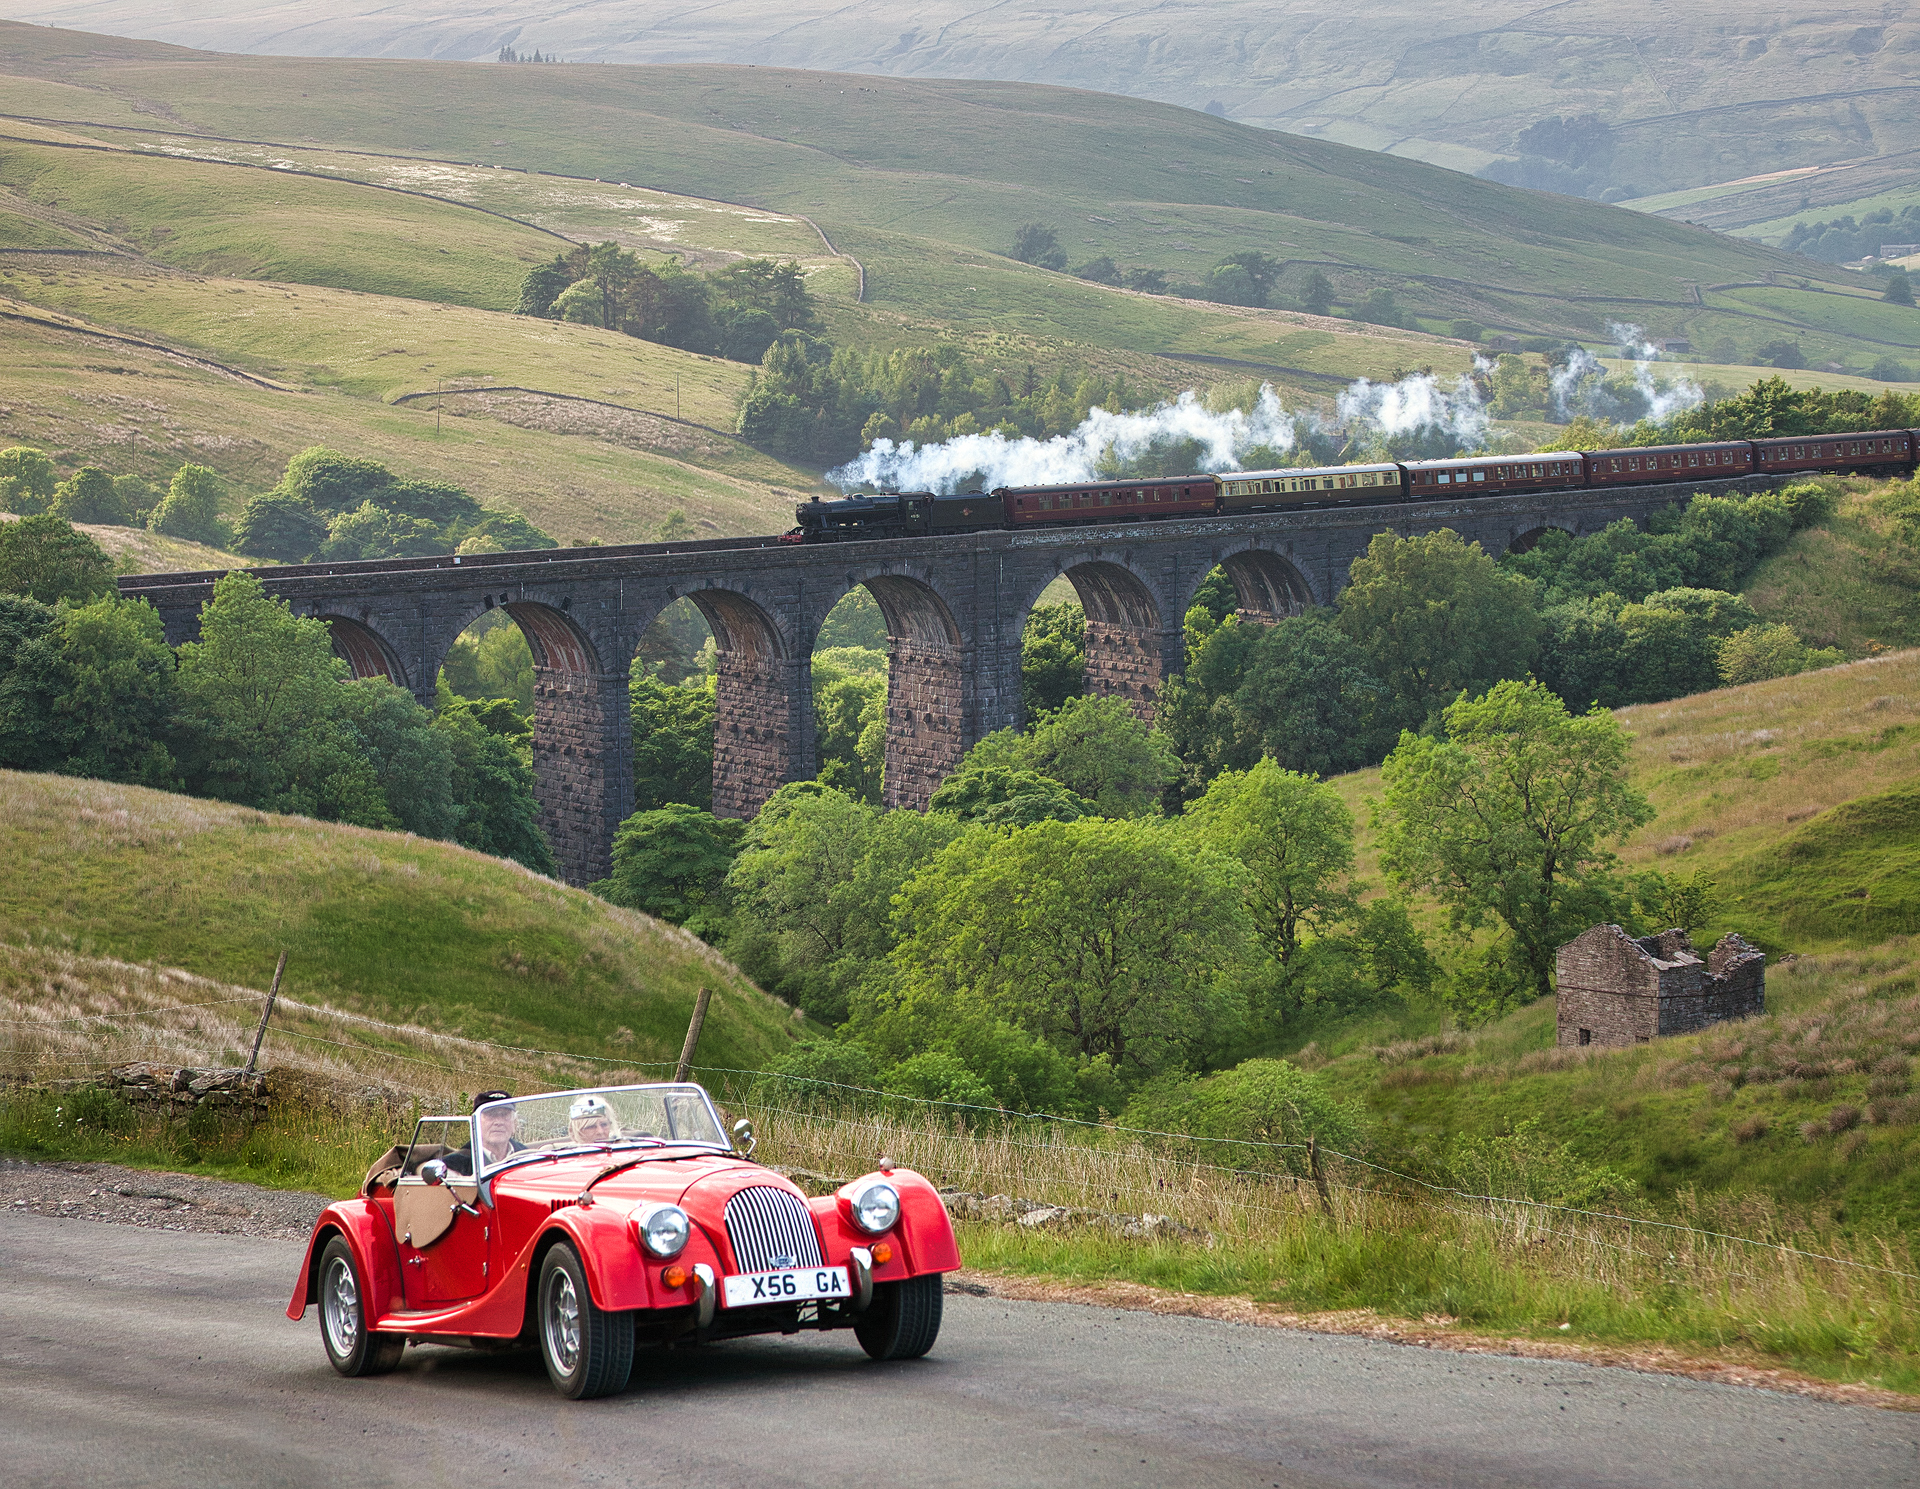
(1690,94)
(268,224)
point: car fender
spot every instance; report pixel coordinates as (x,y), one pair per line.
(621,1275)
(367,1235)
(924,1232)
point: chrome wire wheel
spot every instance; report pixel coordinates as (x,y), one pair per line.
(563,1322)
(340,1307)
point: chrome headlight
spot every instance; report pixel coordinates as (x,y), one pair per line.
(662,1229)
(876,1207)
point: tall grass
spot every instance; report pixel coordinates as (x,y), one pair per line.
(1805,1296)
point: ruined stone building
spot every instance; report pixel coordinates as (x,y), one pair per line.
(1616,989)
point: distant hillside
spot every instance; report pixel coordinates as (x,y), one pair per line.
(926,181)
(380,923)
(1681,95)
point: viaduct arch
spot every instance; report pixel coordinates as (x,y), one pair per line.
(955,609)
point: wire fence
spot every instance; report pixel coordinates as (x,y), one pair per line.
(72,1023)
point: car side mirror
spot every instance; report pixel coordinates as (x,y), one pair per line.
(433,1171)
(743,1137)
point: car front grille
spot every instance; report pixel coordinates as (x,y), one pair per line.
(770,1229)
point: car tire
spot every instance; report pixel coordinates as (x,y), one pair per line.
(352,1348)
(588,1350)
(903,1319)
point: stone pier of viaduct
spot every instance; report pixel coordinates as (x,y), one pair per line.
(955,609)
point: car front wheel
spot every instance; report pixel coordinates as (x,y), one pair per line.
(903,1319)
(588,1350)
(352,1348)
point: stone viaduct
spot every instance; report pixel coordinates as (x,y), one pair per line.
(955,609)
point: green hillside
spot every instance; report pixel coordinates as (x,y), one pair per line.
(579,471)
(1681,95)
(960,163)
(380,923)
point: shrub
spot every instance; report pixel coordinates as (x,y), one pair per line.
(825,1071)
(1765,651)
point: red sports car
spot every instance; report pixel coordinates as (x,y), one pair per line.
(591,1221)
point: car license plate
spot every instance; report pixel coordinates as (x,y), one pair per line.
(751,1288)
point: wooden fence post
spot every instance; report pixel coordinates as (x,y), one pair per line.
(693,1034)
(1319,1175)
(273,994)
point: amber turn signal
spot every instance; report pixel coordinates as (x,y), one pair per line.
(882,1254)
(674,1276)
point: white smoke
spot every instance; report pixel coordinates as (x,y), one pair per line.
(1680,393)
(1418,405)
(1579,386)
(1367,414)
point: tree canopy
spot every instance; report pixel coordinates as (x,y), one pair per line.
(45,558)
(1512,816)
(1435,617)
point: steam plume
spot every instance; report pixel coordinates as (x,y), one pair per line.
(1416,416)
(1583,386)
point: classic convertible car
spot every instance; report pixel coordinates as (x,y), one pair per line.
(591,1221)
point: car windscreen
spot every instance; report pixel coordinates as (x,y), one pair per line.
(609,1116)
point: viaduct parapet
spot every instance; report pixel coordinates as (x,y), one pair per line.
(955,610)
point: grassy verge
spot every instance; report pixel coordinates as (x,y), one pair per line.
(1515,1281)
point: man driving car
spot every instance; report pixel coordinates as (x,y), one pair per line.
(499,1123)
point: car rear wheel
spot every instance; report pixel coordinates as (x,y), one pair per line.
(588,1350)
(352,1348)
(903,1319)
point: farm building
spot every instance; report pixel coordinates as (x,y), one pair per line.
(1619,989)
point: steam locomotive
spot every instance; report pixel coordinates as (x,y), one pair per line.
(907,514)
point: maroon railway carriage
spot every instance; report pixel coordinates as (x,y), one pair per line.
(1868,450)
(1484,475)
(1110,501)
(1652,464)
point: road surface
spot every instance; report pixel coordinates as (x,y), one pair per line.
(146,1357)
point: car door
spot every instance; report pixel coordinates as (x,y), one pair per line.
(445,1233)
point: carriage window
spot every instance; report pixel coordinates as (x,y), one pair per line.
(1479,475)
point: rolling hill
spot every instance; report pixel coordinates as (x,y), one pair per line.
(1683,95)
(381,924)
(899,171)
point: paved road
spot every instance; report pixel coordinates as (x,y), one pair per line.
(141,1357)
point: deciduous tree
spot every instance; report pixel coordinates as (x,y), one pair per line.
(1513,816)
(44,558)
(1108,938)
(1436,618)
(1293,836)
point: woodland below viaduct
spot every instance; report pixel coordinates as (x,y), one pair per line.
(955,609)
